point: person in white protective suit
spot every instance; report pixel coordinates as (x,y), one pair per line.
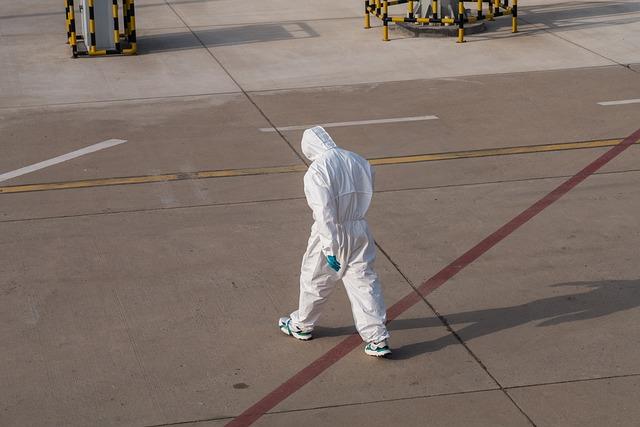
(338,187)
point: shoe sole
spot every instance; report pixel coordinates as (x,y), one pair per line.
(297,336)
(378,353)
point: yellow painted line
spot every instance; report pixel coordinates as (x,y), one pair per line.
(89,183)
(180,176)
(253,171)
(493,152)
(103,182)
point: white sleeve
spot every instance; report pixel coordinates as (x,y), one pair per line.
(323,204)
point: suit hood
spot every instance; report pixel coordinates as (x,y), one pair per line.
(315,142)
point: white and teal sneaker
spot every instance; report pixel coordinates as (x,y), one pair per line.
(378,349)
(287,328)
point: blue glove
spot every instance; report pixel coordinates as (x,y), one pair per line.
(333,262)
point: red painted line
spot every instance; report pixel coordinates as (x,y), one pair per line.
(343,348)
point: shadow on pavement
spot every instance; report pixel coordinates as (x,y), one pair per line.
(224,36)
(596,299)
(567,16)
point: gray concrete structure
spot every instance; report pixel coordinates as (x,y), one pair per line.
(156,303)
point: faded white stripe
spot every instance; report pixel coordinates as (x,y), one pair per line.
(621,102)
(54,161)
(354,123)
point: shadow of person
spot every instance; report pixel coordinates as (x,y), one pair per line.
(592,300)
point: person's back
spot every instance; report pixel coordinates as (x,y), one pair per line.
(350,178)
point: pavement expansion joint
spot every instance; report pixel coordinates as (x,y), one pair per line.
(427,396)
(288,199)
(504,181)
(194,421)
(397,399)
(236,82)
(555,34)
(344,405)
(578,380)
(113,101)
(451,331)
(465,76)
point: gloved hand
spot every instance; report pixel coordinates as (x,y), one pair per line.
(333,262)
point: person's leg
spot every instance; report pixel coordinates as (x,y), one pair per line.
(367,304)
(317,280)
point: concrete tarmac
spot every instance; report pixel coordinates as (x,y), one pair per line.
(154,302)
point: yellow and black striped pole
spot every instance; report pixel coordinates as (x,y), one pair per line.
(367,17)
(514,17)
(133,49)
(116,25)
(66,20)
(460,21)
(125,17)
(72,29)
(92,29)
(434,9)
(480,16)
(410,9)
(385,22)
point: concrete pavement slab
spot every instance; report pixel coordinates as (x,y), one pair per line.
(609,401)
(27,76)
(46,18)
(606,28)
(219,191)
(493,170)
(173,279)
(419,248)
(489,408)
(410,372)
(152,196)
(227,12)
(143,306)
(28,16)
(67,356)
(536,308)
(164,135)
(497,110)
(156,15)
(183,325)
(344,53)
(489,171)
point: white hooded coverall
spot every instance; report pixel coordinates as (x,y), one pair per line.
(338,187)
